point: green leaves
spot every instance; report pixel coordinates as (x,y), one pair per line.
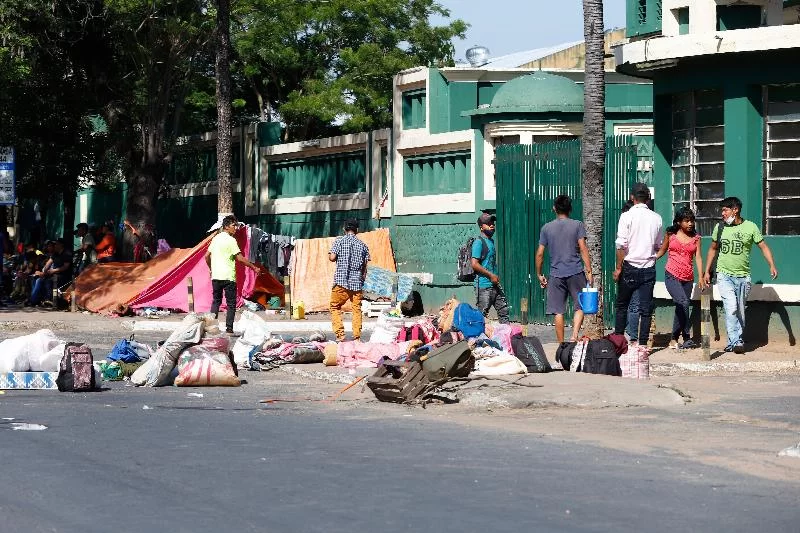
(328,65)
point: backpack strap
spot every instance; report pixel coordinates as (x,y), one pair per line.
(484,250)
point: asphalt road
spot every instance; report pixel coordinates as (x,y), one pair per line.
(224,462)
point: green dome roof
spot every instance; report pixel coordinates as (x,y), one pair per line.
(536,93)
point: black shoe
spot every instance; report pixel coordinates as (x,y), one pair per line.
(738,348)
(688,345)
(229,331)
(728,349)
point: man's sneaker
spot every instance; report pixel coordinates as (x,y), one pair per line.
(229,331)
(728,349)
(689,345)
(738,348)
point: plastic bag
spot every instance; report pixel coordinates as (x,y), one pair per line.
(387,327)
(48,361)
(16,354)
(199,366)
(156,371)
(217,343)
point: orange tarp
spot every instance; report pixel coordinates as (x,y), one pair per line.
(312,272)
(108,287)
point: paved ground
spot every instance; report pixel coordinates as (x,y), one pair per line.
(162,460)
(554,452)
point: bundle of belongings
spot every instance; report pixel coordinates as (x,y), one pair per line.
(194,355)
(43,361)
(609,355)
(424,352)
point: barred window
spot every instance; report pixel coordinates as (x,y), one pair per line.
(782,160)
(698,155)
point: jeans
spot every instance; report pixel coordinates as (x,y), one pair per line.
(734,291)
(492,296)
(681,293)
(632,327)
(217,288)
(339,297)
(639,281)
(42,290)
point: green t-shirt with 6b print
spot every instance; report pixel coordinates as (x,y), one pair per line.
(735,246)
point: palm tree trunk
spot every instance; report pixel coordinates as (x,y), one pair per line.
(593,148)
(224,182)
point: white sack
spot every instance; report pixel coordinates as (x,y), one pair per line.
(48,361)
(500,365)
(156,371)
(387,328)
(15,354)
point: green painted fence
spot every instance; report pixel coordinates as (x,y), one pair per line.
(529,177)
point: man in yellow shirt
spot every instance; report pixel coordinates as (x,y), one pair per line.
(221,257)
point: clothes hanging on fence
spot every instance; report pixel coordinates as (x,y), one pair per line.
(255,242)
(275,252)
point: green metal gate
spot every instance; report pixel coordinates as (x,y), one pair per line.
(529,177)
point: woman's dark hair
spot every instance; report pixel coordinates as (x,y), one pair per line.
(684,213)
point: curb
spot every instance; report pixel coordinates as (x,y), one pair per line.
(671,369)
(277,326)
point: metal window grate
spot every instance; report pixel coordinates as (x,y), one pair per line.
(641,12)
(782,160)
(698,155)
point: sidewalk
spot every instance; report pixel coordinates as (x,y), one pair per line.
(663,361)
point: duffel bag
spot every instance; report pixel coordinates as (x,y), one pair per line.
(450,361)
(564,354)
(529,350)
(601,358)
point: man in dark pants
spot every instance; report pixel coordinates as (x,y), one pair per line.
(639,238)
(221,257)
(488,291)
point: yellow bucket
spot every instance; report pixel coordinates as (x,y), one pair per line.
(299,311)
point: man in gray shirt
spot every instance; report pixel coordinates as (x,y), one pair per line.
(570,270)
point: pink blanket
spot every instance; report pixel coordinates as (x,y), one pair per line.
(357,354)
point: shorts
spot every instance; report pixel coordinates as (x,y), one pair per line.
(559,288)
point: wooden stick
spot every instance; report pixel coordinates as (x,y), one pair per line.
(190,290)
(287,296)
(705,323)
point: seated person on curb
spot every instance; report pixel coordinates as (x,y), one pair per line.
(57,271)
(86,251)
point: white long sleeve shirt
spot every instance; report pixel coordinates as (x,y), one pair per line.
(640,234)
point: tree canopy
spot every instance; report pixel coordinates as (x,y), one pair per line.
(97,89)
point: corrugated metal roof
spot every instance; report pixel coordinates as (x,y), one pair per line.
(518,59)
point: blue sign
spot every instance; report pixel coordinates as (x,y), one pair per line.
(8,193)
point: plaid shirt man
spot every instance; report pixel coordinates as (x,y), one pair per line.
(351,256)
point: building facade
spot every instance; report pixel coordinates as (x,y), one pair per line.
(727,123)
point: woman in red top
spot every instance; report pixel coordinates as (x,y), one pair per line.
(681,245)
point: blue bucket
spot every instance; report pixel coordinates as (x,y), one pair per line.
(589,299)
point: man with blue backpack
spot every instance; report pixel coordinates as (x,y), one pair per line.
(488,291)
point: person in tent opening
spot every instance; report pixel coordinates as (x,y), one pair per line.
(488,291)
(351,256)
(221,257)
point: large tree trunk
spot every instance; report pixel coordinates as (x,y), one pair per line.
(142,200)
(68,198)
(593,147)
(225,195)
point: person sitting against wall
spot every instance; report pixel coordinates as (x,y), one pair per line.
(106,248)
(57,270)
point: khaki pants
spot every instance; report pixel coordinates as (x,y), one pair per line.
(339,296)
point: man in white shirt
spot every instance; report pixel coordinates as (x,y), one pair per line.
(639,238)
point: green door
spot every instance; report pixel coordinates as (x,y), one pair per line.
(529,177)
